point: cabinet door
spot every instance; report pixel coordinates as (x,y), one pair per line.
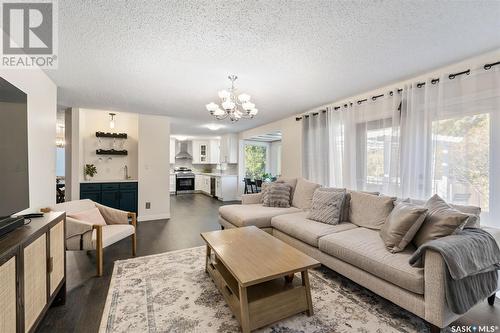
(94,196)
(111,199)
(56,254)
(218,187)
(8,300)
(203,153)
(128,201)
(35,280)
(196,152)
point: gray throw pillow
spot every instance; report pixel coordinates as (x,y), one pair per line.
(327,205)
(441,220)
(401,226)
(264,190)
(278,195)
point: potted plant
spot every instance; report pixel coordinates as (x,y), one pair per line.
(89,171)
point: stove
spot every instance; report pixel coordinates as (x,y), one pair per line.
(184,180)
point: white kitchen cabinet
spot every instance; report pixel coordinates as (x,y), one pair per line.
(218,187)
(172,151)
(228,188)
(214,151)
(229,148)
(198,180)
(172,182)
(200,151)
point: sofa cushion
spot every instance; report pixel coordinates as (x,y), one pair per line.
(254,214)
(369,211)
(401,226)
(365,249)
(298,226)
(304,191)
(277,195)
(327,204)
(92,215)
(74,206)
(442,220)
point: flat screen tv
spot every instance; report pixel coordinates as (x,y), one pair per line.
(14,178)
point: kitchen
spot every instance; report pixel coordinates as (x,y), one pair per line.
(206,165)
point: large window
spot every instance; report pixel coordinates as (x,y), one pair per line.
(462,160)
(255,160)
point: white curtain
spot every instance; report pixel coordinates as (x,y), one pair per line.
(364,141)
(316,148)
(441,137)
(450,143)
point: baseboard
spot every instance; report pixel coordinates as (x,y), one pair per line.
(145,218)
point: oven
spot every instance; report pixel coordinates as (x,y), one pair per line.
(184,183)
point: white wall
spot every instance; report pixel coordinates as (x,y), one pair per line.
(154,166)
(108,167)
(291,141)
(275,158)
(42,114)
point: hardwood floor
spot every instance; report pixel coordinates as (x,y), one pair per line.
(190,215)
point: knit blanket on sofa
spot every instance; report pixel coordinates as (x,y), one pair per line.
(472,258)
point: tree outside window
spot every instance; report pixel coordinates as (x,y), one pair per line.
(255,161)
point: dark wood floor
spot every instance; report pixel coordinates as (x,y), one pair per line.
(190,215)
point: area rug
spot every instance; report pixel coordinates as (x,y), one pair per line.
(171,292)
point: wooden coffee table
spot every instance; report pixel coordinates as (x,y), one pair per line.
(249,267)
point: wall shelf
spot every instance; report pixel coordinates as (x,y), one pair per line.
(111,152)
(111,135)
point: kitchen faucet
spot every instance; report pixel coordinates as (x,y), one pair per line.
(126,171)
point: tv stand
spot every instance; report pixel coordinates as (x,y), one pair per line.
(32,271)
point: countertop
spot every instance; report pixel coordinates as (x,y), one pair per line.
(213,174)
(109,181)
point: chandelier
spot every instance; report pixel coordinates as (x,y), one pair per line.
(233,107)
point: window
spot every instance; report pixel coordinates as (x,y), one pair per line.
(462,160)
(255,160)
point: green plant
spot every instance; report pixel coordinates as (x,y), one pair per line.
(90,170)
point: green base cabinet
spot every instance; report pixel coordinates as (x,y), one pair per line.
(116,195)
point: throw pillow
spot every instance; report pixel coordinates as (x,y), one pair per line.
(278,195)
(290,181)
(401,226)
(327,205)
(368,210)
(304,191)
(92,216)
(264,189)
(441,220)
(344,217)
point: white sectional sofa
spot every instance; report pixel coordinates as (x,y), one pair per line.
(355,252)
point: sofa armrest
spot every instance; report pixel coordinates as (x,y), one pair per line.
(436,308)
(248,199)
(79,234)
(113,215)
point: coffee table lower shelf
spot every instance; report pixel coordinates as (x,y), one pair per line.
(264,303)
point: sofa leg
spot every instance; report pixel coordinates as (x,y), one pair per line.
(491,299)
(221,227)
(434,329)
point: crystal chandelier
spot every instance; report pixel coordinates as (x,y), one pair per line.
(233,107)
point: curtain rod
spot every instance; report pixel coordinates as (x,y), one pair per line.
(419,85)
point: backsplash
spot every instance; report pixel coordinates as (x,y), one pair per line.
(231,169)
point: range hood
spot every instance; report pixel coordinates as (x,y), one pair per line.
(183,152)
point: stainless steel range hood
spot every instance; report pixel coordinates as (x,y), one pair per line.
(183,153)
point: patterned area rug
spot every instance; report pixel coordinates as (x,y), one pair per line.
(171,292)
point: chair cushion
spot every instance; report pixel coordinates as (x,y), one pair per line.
(298,226)
(253,214)
(369,211)
(304,191)
(365,249)
(92,215)
(112,234)
(74,206)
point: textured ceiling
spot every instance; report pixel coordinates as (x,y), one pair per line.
(171,57)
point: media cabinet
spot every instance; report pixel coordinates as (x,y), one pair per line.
(32,272)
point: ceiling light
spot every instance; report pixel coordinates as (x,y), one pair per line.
(214,127)
(232,107)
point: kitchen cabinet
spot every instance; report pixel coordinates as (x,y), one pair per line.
(172,151)
(214,152)
(200,151)
(218,187)
(229,148)
(119,195)
(226,186)
(198,180)
(172,182)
